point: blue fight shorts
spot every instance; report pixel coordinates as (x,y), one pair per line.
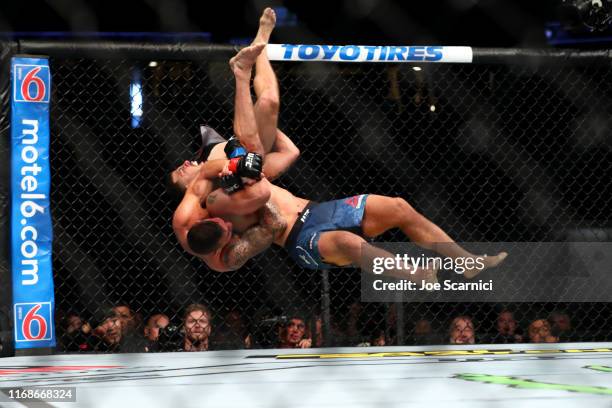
(338,215)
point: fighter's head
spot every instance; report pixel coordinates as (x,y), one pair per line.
(178,180)
(183,175)
(209,235)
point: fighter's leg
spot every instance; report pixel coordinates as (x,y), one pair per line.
(266,85)
(384,213)
(245,125)
(345,248)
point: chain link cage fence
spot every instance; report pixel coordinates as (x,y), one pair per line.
(509,151)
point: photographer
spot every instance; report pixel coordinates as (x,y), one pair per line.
(155,324)
(116,334)
(74,333)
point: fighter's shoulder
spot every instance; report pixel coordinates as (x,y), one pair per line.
(182,214)
(188,212)
(180,218)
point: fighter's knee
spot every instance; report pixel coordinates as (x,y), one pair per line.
(403,208)
(294,152)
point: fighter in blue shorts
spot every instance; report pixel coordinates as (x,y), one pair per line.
(322,235)
(337,215)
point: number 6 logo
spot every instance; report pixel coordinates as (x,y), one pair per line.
(30,79)
(30,318)
(31,83)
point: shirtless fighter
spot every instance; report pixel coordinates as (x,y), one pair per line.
(255,127)
(316,235)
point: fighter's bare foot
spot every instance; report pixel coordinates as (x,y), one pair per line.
(489,262)
(267,21)
(242,63)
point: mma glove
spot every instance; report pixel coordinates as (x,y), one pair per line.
(233,148)
(231,183)
(249,165)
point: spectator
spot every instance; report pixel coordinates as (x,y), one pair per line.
(197,325)
(423,333)
(507,329)
(539,332)
(561,326)
(156,322)
(131,326)
(292,334)
(232,333)
(108,335)
(116,334)
(74,333)
(377,339)
(129,318)
(462,330)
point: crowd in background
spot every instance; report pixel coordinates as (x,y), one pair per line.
(122,329)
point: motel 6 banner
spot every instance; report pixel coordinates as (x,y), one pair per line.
(31,230)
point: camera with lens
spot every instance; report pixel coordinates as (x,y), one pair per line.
(170,339)
(265,332)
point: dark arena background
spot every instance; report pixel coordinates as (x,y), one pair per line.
(513,147)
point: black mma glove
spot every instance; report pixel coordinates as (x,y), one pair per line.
(231,183)
(249,165)
(233,148)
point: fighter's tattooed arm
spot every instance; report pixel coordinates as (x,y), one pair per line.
(254,240)
(271,218)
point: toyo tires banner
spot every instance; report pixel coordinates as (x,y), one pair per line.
(31,230)
(369,53)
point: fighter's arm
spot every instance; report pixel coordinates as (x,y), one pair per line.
(254,240)
(242,248)
(247,166)
(211,169)
(246,201)
(285,153)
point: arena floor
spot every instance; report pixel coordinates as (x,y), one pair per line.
(578,374)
